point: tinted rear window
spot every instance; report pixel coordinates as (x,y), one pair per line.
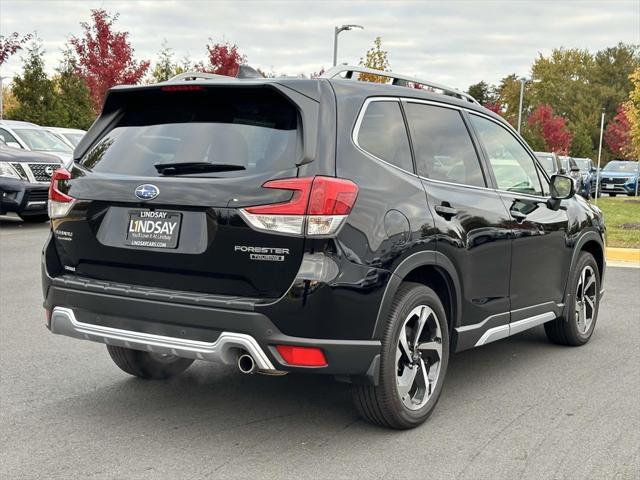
(383,134)
(442,145)
(255,128)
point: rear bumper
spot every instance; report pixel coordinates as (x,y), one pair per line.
(20,196)
(224,349)
(195,331)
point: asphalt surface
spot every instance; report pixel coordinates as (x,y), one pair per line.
(519,408)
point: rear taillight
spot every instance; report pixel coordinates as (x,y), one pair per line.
(318,207)
(59,203)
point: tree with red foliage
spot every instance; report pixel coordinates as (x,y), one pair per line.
(495,107)
(11,44)
(617,135)
(552,129)
(105,57)
(224,59)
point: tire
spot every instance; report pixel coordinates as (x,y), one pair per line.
(574,327)
(613,194)
(384,404)
(41,218)
(146,365)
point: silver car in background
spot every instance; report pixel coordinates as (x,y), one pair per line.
(71,136)
(31,137)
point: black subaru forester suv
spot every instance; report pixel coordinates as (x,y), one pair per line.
(361,230)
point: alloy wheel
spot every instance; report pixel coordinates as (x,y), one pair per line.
(418,357)
(586,299)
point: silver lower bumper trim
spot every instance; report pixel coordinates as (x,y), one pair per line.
(224,350)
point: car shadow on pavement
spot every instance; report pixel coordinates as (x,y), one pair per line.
(209,395)
(11,222)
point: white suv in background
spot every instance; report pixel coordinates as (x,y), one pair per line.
(32,137)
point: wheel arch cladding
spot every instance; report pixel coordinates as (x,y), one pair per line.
(595,249)
(429,268)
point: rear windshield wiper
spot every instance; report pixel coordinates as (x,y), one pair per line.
(185,168)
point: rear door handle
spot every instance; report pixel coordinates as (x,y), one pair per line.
(445,211)
(517,215)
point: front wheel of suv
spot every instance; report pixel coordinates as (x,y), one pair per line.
(413,363)
(151,366)
(576,326)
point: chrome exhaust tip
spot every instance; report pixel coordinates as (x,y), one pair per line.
(246,363)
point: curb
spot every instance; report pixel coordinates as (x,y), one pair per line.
(623,254)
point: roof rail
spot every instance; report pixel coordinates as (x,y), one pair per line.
(399,80)
(183,77)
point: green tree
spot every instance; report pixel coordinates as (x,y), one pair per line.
(533,135)
(579,85)
(484,93)
(581,145)
(612,68)
(508,97)
(375,58)
(34,90)
(74,105)
(166,67)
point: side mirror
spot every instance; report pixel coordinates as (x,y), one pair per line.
(562,187)
(13,145)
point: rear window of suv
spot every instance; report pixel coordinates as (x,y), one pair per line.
(255,128)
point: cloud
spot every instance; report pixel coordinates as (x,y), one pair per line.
(456,42)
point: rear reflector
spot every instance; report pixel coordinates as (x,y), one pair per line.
(59,203)
(318,206)
(302,356)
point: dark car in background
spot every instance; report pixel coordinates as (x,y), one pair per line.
(589,175)
(24,182)
(631,187)
(616,174)
(555,164)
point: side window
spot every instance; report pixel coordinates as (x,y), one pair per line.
(514,169)
(383,134)
(442,145)
(6,136)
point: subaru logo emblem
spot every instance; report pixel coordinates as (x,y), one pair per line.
(147,192)
(48,170)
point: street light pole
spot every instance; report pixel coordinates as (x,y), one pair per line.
(522,81)
(599,156)
(336,32)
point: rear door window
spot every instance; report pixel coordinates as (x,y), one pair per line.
(442,144)
(383,134)
(256,129)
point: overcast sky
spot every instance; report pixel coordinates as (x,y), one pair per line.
(453,42)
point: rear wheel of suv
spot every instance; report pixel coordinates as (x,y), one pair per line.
(413,363)
(41,218)
(577,325)
(147,365)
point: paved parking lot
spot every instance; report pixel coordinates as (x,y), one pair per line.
(520,408)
